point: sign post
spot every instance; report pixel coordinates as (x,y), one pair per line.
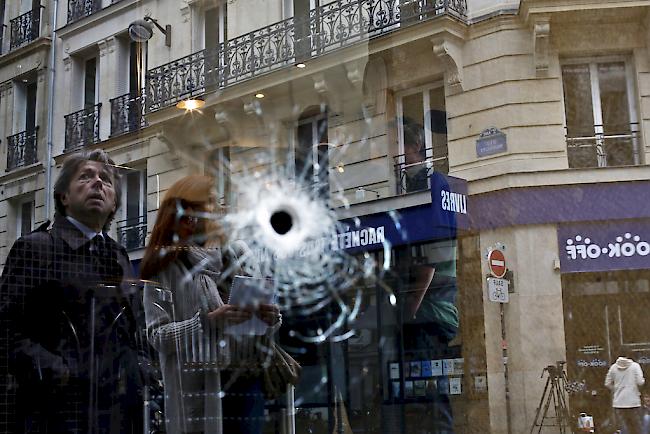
(498,293)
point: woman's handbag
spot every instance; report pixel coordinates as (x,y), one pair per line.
(280,370)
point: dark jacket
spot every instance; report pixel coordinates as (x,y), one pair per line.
(72,342)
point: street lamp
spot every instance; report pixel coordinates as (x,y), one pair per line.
(142,30)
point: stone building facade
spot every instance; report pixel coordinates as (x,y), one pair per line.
(540,105)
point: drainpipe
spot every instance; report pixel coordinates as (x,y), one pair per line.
(50,112)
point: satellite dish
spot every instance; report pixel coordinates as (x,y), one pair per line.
(140,30)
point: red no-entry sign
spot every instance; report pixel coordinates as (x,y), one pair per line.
(497,263)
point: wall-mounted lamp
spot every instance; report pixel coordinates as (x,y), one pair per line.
(191,103)
(360,193)
(142,30)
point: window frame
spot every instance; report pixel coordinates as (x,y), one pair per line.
(19,215)
(597,113)
(399,112)
(313,120)
(142,172)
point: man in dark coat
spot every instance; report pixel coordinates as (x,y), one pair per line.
(70,310)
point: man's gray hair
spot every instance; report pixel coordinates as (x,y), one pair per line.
(69,169)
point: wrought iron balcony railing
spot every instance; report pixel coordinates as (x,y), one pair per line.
(25,28)
(332,26)
(82,127)
(78,9)
(415,176)
(132,233)
(602,149)
(127,114)
(22,149)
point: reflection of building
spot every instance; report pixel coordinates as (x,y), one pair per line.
(565,83)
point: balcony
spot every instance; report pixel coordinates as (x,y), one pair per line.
(415,176)
(22,149)
(127,114)
(78,9)
(132,233)
(618,147)
(330,27)
(25,28)
(82,128)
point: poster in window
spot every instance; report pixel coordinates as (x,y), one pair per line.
(480,383)
(419,388)
(432,387)
(448,367)
(455,386)
(394,371)
(426,368)
(396,388)
(407,369)
(436,368)
(416,369)
(443,386)
(408,389)
(458,366)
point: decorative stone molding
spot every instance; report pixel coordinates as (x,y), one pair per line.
(103,47)
(41,74)
(320,85)
(111,44)
(375,84)
(449,51)
(354,72)
(6,89)
(67,63)
(252,107)
(106,46)
(185,12)
(541,36)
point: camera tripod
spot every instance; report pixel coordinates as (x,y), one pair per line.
(554,395)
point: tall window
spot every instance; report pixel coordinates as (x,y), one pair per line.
(422,133)
(215,24)
(3,4)
(218,166)
(25,217)
(301,11)
(90,82)
(30,107)
(601,117)
(312,150)
(132,229)
(25,105)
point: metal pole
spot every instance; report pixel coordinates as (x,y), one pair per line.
(504,353)
(291,410)
(50,113)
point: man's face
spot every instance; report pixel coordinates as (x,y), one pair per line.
(91,194)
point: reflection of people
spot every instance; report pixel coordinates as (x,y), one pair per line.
(431,321)
(624,379)
(73,340)
(414,156)
(198,360)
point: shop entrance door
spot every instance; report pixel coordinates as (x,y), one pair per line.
(605,314)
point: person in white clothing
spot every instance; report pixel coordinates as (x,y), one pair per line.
(624,379)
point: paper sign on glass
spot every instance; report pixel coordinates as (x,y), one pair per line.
(250,292)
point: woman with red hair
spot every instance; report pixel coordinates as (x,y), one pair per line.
(210,378)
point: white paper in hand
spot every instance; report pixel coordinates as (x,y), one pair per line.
(250,292)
